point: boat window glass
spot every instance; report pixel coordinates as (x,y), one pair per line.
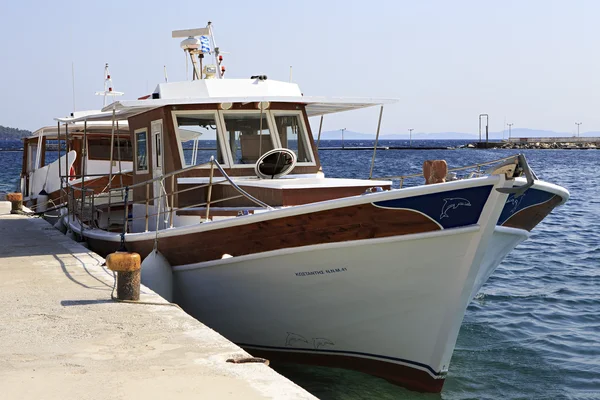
(247,139)
(141,146)
(99,149)
(197,134)
(292,136)
(31,156)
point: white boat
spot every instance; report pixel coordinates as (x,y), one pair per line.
(292,265)
(83,159)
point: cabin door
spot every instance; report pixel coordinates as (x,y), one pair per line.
(157,170)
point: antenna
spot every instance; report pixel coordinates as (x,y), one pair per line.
(108,86)
(73,82)
(166,76)
(197,44)
(290,74)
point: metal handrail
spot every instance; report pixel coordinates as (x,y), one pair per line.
(169,209)
(239,189)
(186,207)
(167,175)
(216,163)
(478,166)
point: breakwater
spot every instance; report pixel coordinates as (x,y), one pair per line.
(563,143)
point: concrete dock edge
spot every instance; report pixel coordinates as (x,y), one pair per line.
(62,337)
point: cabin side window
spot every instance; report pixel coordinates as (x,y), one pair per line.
(99,149)
(32,149)
(292,134)
(248,135)
(141,151)
(198,137)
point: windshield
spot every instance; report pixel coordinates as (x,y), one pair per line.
(248,135)
(198,137)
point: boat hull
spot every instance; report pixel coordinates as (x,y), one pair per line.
(385,307)
(376,283)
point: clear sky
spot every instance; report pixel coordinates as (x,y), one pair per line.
(532,63)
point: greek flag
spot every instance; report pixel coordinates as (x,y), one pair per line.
(205,44)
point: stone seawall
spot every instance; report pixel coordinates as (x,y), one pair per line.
(588,145)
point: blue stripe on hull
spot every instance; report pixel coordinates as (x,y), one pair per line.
(451,209)
(531,197)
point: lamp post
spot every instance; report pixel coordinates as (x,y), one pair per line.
(343,129)
(578,123)
(410,137)
(509,130)
(487,123)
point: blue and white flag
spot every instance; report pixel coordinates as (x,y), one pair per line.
(205,44)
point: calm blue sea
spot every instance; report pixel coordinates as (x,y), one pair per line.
(533,332)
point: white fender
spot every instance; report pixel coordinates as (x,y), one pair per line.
(60,225)
(42,202)
(158,275)
(71,235)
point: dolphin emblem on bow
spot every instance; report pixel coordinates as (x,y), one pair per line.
(515,201)
(322,342)
(293,339)
(452,204)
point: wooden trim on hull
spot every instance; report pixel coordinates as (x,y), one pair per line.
(529,217)
(358,222)
(398,374)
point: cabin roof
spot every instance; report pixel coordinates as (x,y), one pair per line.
(216,91)
(94,126)
(315,106)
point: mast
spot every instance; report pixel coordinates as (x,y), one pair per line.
(198,44)
(108,86)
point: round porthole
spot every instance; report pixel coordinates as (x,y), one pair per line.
(275,164)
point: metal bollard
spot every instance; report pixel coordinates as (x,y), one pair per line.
(16,201)
(127,266)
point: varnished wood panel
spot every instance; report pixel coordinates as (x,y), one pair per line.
(529,217)
(76,145)
(171,158)
(272,196)
(43,153)
(330,226)
(294,197)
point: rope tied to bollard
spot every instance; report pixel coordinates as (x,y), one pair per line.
(125,220)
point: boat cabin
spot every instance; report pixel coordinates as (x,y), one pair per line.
(72,151)
(184,124)
(256,129)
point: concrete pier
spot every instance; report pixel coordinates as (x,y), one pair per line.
(62,337)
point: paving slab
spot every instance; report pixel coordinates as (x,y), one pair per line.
(62,337)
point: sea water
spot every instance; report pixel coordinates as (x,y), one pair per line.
(533,331)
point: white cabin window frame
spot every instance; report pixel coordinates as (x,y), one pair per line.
(304,133)
(227,160)
(135,144)
(272,132)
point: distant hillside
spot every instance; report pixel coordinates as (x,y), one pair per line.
(516,133)
(7,133)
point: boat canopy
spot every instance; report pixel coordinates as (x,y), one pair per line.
(315,106)
(76,126)
(225,91)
